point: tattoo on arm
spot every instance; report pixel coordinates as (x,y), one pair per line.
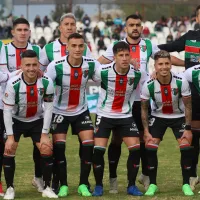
(188,109)
(144,114)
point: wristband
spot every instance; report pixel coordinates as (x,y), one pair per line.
(188,127)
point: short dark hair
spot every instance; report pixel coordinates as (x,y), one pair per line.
(197,10)
(76,36)
(133,16)
(29,54)
(120,46)
(162,54)
(20,21)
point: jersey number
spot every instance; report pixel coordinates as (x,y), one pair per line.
(58,119)
(98,120)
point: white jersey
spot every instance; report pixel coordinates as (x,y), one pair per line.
(13,55)
(117,91)
(28,99)
(166,98)
(141,51)
(55,50)
(70,98)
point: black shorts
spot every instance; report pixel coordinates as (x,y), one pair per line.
(2,126)
(28,129)
(82,122)
(158,126)
(125,127)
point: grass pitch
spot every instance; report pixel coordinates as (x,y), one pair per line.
(169,172)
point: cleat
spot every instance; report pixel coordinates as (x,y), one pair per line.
(187,190)
(83,191)
(1,190)
(64,191)
(113,186)
(48,192)
(193,182)
(133,190)
(10,193)
(151,190)
(38,183)
(144,180)
(98,191)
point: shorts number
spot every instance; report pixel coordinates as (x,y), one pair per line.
(151,121)
(58,119)
(98,120)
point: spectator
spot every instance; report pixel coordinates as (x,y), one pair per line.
(109,20)
(169,39)
(116,35)
(101,44)
(96,32)
(42,42)
(146,32)
(118,21)
(56,33)
(46,21)
(37,21)
(9,25)
(106,32)
(86,21)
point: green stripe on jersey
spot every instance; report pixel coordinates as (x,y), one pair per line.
(151,90)
(37,50)
(59,77)
(91,68)
(179,85)
(188,55)
(49,51)
(6,49)
(192,44)
(85,49)
(137,79)
(45,83)
(149,48)
(104,84)
(16,88)
(195,79)
(1,44)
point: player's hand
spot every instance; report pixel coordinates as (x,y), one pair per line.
(153,75)
(135,62)
(18,71)
(45,140)
(187,134)
(148,137)
(9,145)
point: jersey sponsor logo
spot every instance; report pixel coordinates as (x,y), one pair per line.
(11,55)
(112,81)
(130,81)
(143,48)
(86,122)
(194,58)
(57,51)
(85,73)
(75,74)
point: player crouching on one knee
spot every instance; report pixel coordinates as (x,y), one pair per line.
(171,108)
(24,98)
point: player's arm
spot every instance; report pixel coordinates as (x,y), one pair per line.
(96,76)
(9,102)
(104,60)
(108,56)
(44,61)
(88,52)
(50,71)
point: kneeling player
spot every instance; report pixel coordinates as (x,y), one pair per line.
(168,93)
(25,96)
(118,83)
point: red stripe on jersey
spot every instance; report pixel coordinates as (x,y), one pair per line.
(166,99)
(63,50)
(192,49)
(32,100)
(135,53)
(75,86)
(18,57)
(120,91)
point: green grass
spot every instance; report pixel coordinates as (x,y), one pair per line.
(169,172)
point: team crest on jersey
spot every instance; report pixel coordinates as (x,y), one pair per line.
(85,73)
(143,48)
(174,91)
(133,48)
(75,74)
(131,81)
(32,91)
(121,81)
(166,91)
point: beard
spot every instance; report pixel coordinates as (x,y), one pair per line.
(134,37)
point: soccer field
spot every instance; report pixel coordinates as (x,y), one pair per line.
(169,172)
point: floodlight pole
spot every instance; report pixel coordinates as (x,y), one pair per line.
(27,9)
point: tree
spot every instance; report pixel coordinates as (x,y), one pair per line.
(59,11)
(79,12)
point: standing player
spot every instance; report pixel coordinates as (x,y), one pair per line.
(21,34)
(71,74)
(58,48)
(169,95)
(141,50)
(190,43)
(118,83)
(24,98)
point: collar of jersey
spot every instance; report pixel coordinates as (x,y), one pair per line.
(118,73)
(73,66)
(20,47)
(167,83)
(26,82)
(133,44)
(61,42)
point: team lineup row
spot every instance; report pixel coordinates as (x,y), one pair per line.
(120,87)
